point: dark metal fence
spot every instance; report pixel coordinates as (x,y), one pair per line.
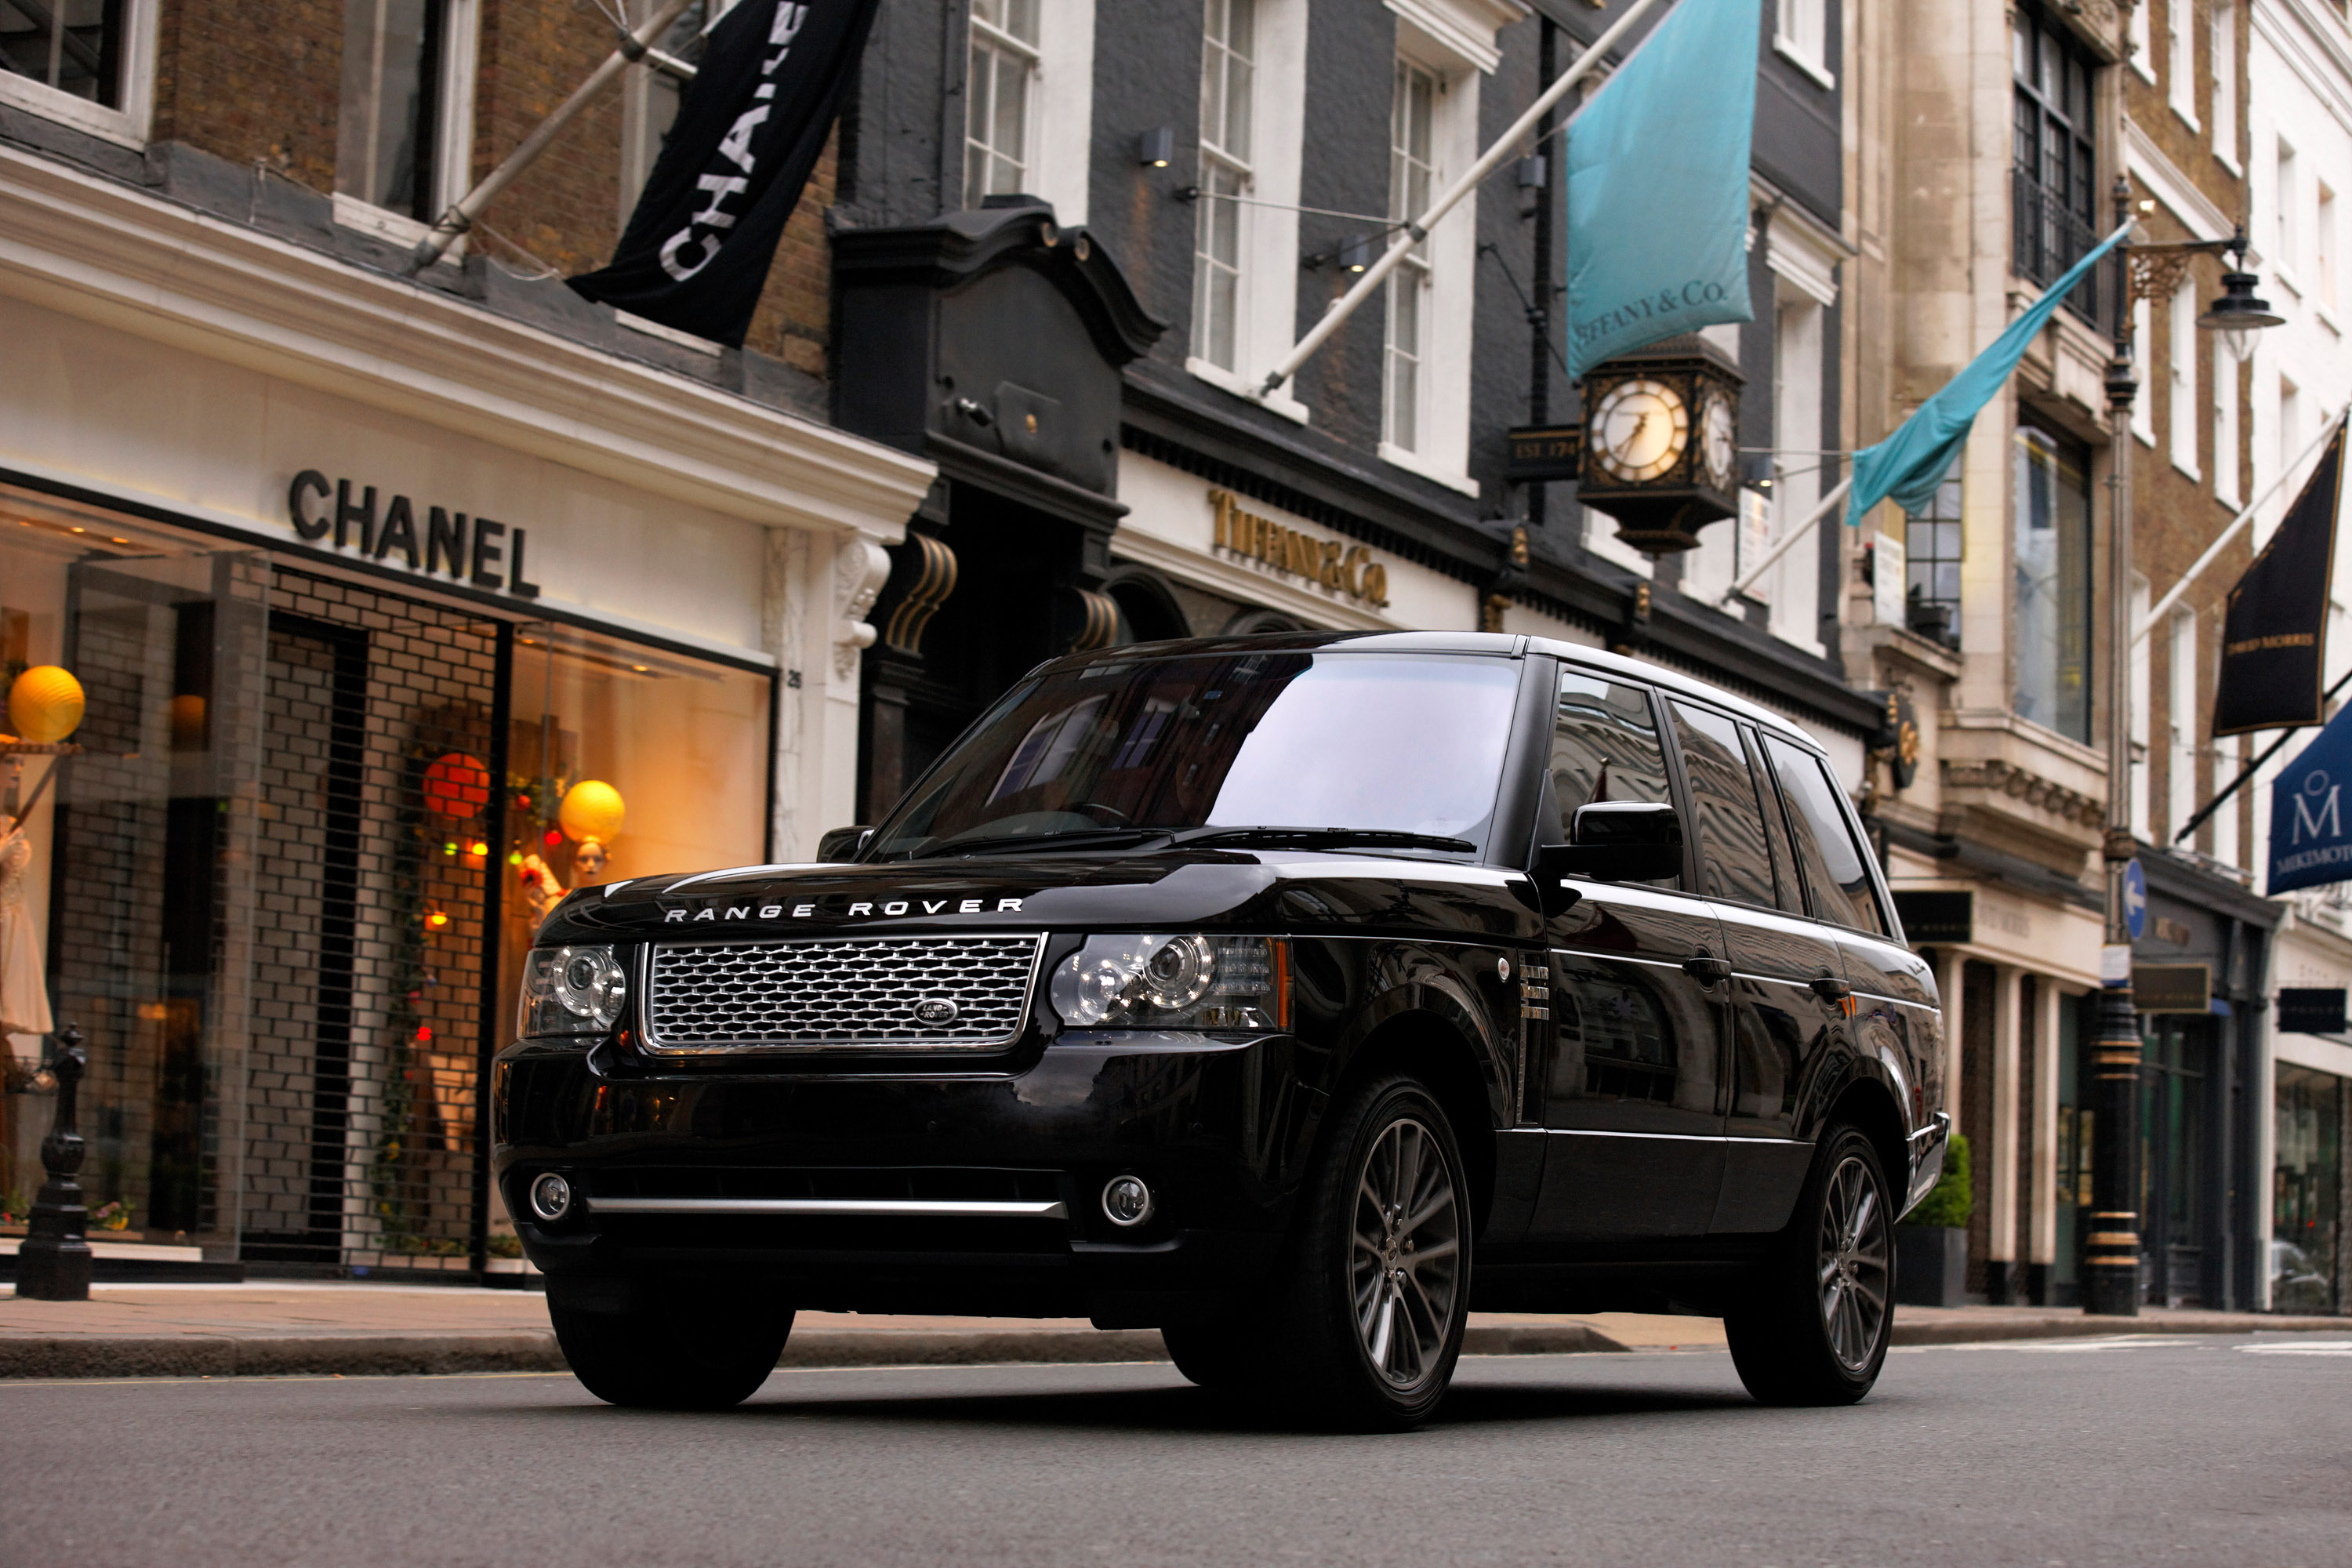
(2047,237)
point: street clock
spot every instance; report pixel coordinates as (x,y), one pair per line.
(1661,442)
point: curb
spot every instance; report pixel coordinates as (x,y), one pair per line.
(398,1355)
(395,1355)
(2086,1327)
(225,1355)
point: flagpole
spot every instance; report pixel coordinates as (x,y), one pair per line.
(1418,230)
(2211,806)
(2172,595)
(1826,505)
(460,217)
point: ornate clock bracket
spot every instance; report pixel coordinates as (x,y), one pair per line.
(1658,449)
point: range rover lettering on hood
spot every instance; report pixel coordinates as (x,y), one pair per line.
(833,908)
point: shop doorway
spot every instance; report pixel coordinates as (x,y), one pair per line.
(2176,1143)
(375,870)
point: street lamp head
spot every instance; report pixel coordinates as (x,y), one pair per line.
(2240,312)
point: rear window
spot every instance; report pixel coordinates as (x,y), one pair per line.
(1836,869)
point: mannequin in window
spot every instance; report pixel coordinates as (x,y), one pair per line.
(542,891)
(24,987)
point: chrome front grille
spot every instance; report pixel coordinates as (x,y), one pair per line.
(926,992)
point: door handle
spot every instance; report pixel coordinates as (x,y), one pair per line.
(1706,970)
(1830,988)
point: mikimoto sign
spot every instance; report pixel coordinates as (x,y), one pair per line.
(2309,844)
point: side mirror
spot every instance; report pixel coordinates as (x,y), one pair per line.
(842,842)
(1617,841)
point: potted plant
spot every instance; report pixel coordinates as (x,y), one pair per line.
(1931,1245)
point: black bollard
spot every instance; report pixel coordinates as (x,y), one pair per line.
(53,1263)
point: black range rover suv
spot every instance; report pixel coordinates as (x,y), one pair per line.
(1293,996)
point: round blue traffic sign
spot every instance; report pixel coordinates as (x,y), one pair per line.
(2135,899)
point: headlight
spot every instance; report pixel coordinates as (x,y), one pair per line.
(571,991)
(1175,982)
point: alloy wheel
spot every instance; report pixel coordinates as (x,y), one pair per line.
(1852,1263)
(1404,1266)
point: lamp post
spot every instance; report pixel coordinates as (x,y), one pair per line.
(53,1263)
(2111,1249)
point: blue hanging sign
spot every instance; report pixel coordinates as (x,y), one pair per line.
(1658,186)
(2309,844)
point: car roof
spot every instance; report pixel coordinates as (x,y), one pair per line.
(1504,645)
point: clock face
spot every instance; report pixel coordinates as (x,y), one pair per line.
(1718,439)
(1639,430)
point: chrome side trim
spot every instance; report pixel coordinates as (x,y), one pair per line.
(1670,1137)
(933,1208)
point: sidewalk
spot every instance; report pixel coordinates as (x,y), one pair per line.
(362,1329)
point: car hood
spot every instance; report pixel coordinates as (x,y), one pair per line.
(1179,888)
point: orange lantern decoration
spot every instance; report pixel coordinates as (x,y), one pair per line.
(456,785)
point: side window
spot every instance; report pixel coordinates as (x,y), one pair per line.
(1775,824)
(1735,857)
(1836,874)
(1604,747)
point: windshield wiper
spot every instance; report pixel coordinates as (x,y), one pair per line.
(1321,838)
(965,843)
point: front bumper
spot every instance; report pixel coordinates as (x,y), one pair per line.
(899,1190)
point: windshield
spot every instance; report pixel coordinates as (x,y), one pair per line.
(1117,751)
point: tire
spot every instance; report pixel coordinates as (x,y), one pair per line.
(1224,1356)
(1373,1298)
(691,1358)
(1815,1331)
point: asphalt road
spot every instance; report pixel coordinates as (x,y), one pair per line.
(2182,1449)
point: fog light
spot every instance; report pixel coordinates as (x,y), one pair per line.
(550,1197)
(1126,1201)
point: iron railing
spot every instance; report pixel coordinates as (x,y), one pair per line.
(2046,238)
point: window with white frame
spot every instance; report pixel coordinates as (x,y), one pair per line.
(2225,81)
(1798,341)
(1413,168)
(2324,261)
(2284,196)
(2180,376)
(2180,60)
(2229,756)
(2143,57)
(2225,428)
(73,46)
(2181,716)
(1801,31)
(2290,423)
(649,98)
(2140,804)
(2143,419)
(997,92)
(388,131)
(1228,89)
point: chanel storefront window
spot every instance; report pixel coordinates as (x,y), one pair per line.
(282,871)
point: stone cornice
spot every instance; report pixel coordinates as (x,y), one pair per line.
(125,260)
(1995,776)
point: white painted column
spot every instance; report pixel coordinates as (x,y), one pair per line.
(782,621)
(2042,1245)
(2001,1241)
